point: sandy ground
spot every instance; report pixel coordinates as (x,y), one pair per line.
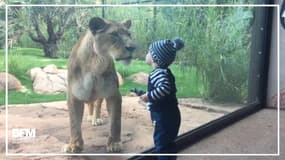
(52,126)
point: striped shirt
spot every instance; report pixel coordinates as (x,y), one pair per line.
(161,87)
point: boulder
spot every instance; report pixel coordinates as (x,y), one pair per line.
(34,71)
(13,83)
(51,69)
(140,78)
(41,84)
(49,80)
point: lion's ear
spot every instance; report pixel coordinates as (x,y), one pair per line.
(127,23)
(97,24)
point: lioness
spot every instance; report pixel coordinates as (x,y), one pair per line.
(92,75)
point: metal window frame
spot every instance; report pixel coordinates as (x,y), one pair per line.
(282,15)
(257,83)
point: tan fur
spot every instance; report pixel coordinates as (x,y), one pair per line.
(94,114)
(92,76)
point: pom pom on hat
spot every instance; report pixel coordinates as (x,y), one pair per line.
(178,43)
(163,52)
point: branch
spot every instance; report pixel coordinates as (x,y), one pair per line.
(40,37)
(50,28)
(34,38)
(64,19)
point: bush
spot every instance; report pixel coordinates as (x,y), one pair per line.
(26,42)
(2,27)
(217,41)
(221,52)
(15,65)
(217,44)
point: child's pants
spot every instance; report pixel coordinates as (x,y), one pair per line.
(166,127)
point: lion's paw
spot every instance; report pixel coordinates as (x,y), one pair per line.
(70,148)
(97,122)
(89,118)
(114,147)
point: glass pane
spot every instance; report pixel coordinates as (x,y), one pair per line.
(211,71)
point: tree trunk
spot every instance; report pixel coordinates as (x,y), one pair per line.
(103,9)
(50,49)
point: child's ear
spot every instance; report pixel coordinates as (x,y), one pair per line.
(151,58)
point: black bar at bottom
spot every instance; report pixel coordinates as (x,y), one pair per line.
(189,138)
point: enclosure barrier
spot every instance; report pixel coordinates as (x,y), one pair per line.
(257,85)
(189,138)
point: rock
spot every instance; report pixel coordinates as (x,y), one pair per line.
(34,71)
(49,80)
(62,73)
(13,83)
(41,84)
(58,83)
(140,78)
(52,69)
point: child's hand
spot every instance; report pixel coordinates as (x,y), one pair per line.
(144,97)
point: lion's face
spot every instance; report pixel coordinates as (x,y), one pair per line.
(112,38)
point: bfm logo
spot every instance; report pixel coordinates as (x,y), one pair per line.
(23,132)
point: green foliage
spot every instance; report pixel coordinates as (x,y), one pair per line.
(19,62)
(33,57)
(134,1)
(217,40)
(217,43)
(15,65)
(26,42)
(220,50)
(2,27)
(15,97)
(186,80)
(75,29)
(22,59)
(2,60)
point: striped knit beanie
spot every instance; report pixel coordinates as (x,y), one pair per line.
(163,52)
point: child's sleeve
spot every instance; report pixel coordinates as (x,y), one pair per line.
(162,86)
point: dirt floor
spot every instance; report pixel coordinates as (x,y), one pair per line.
(52,126)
